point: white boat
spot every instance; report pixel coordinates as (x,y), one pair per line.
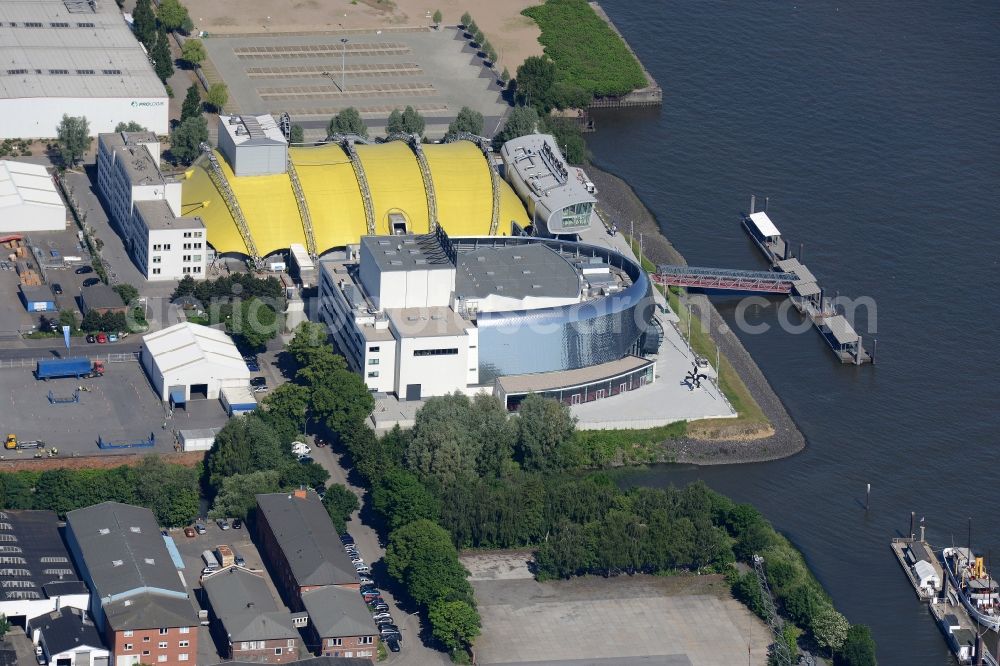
(976,589)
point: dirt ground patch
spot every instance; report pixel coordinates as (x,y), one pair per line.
(515,37)
(187,459)
(498,565)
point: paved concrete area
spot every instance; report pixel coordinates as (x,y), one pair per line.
(675,621)
(13,317)
(435,71)
(120,405)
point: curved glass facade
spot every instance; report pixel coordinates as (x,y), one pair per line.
(567,337)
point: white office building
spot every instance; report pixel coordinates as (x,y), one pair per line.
(28,199)
(145,207)
(75,57)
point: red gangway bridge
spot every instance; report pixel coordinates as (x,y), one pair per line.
(727,279)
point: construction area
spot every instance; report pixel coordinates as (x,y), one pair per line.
(652,620)
(314,76)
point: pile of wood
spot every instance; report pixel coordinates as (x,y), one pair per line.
(19,254)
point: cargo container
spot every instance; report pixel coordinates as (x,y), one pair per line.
(225,555)
(211,562)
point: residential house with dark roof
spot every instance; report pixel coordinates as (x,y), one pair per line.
(340,623)
(296,536)
(68,637)
(246,621)
(35,568)
(139,601)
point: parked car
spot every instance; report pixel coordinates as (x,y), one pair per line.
(90,282)
(189,532)
(91,339)
(362,568)
(364,580)
(112,337)
(83,270)
(368,588)
(380,616)
(392,643)
(101,338)
(380,606)
(351,550)
(199,528)
(237,524)
(258,381)
(305,459)
(356,559)
(57,289)
(222,523)
(387,630)
(346,538)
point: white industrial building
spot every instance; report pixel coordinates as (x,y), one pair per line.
(253,145)
(145,208)
(28,199)
(187,361)
(75,57)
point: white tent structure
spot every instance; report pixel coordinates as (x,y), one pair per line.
(926,575)
(187,361)
(28,199)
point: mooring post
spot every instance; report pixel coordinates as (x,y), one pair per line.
(868,496)
(913,517)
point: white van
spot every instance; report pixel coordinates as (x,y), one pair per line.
(211,562)
(301,449)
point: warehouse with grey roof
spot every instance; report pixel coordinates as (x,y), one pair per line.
(77,57)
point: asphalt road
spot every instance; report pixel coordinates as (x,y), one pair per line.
(413,650)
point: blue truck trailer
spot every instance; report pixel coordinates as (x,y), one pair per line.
(68,367)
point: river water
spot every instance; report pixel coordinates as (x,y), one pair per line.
(874,127)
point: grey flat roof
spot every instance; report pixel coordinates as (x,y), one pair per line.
(516,272)
(244,605)
(337,611)
(805,288)
(793,265)
(307,538)
(543,168)
(124,553)
(156,214)
(39,293)
(44,568)
(130,150)
(67,629)
(248,130)
(48,51)
(101,295)
(551,381)
(426,322)
(841,330)
(408,252)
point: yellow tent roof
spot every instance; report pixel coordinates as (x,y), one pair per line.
(459,173)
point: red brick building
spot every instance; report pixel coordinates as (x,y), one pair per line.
(295,535)
(340,623)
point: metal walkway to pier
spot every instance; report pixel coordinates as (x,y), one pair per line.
(724,278)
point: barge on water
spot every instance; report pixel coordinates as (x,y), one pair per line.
(807,296)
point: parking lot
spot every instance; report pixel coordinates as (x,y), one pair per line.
(658,621)
(121,405)
(302,74)
(191,549)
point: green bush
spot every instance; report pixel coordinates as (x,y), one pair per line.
(588,54)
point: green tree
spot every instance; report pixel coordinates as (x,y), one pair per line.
(309,342)
(297,134)
(545,428)
(466,19)
(858,649)
(68,318)
(238,495)
(218,95)
(443,446)
(244,445)
(395,122)
(185,286)
(92,321)
(185,144)
(163,61)
(56,491)
(402,499)
(521,121)
(171,491)
(348,121)
(191,107)
(471,28)
(254,322)
(536,78)
(478,36)
(505,75)
(340,503)
(127,292)
(114,322)
(193,52)
(421,557)
(497,435)
(4,625)
(73,135)
(144,23)
(285,410)
(454,623)
(467,120)
(437,17)
(174,16)
(569,137)
(130,126)
(829,628)
(413,122)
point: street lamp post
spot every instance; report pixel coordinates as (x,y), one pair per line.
(343,65)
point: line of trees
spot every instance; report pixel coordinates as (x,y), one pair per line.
(408,121)
(475,33)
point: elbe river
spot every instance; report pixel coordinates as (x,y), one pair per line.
(874,128)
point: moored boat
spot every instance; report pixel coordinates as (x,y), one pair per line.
(976,589)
